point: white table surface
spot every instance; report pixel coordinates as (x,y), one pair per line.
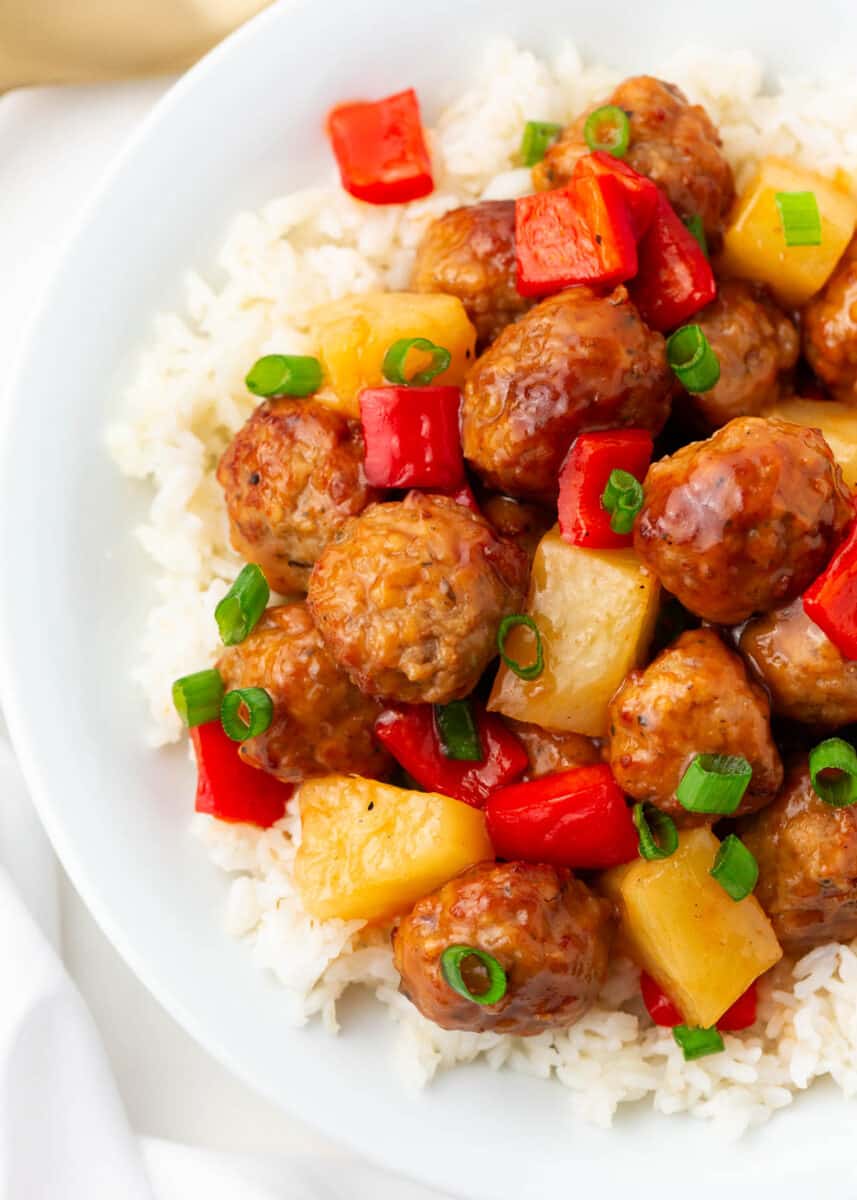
(54,143)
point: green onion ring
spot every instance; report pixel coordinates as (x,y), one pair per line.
(537,136)
(197,697)
(535,668)
(239,611)
(623,499)
(714,783)
(658,837)
(697,1043)
(693,362)
(450,965)
(284,375)
(260,708)
(800,218)
(394,362)
(616,119)
(456,727)
(834,754)
(735,868)
(696,227)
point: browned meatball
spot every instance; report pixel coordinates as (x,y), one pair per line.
(673,142)
(755,342)
(745,521)
(829,328)
(576,361)
(549,752)
(291,475)
(322,723)
(548,932)
(524,524)
(807,856)
(409,596)
(806,676)
(470,253)
(695,698)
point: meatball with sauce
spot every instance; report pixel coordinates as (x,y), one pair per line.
(409,597)
(322,723)
(755,343)
(829,328)
(575,361)
(695,698)
(807,856)
(525,524)
(470,253)
(291,475)
(549,751)
(745,521)
(673,142)
(806,676)
(545,928)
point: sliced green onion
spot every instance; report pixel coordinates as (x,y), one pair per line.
(623,498)
(240,609)
(258,706)
(537,136)
(735,868)
(284,375)
(197,697)
(833,772)
(459,737)
(696,227)
(800,218)
(394,362)
(692,359)
(714,783)
(608,129)
(697,1043)
(451,962)
(535,668)
(657,832)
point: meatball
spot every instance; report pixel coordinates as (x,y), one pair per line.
(673,142)
(576,361)
(546,929)
(291,475)
(695,698)
(409,596)
(755,342)
(322,723)
(470,253)
(807,856)
(524,524)
(806,676)
(550,752)
(745,521)
(829,328)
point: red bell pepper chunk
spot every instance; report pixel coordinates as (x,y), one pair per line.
(674,279)
(580,233)
(832,600)
(381,150)
(411,437)
(661,1009)
(575,818)
(583,519)
(641,194)
(409,732)
(230,789)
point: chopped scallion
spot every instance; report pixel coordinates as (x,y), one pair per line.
(714,783)
(693,361)
(536,138)
(197,697)
(451,962)
(800,218)
(259,709)
(735,868)
(459,736)
(394,362)
(697,1043)
(696,227)
(284,375)
(623,499)
(608,129)
(240,609)
(535,668)
(658,837)
(833,772)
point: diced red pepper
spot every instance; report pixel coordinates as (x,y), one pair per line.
(580,233)
(409,732)
(411,437)
(381,150)
(674,279)
(661,1009)
(742,1014)
(641,195)
(583,519)
(832,600)
(230,789)
(575,818)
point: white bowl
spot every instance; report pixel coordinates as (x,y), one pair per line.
(242,126)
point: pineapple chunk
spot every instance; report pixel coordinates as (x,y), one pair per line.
(596,612)
(370,851)
(754,246)
(700,945)
(838,423)
(352,336)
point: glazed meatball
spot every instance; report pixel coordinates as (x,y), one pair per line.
(291,475)
(409,596)
(524,524)
(548,932)
(806,676)
(550,752)
(322,723)
(829,328)
(673,142)
(745,521)
(755,342)
(576,361)
(470,253)
(695,698)
(807,856)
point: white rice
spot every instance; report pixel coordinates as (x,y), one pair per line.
(187,401)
